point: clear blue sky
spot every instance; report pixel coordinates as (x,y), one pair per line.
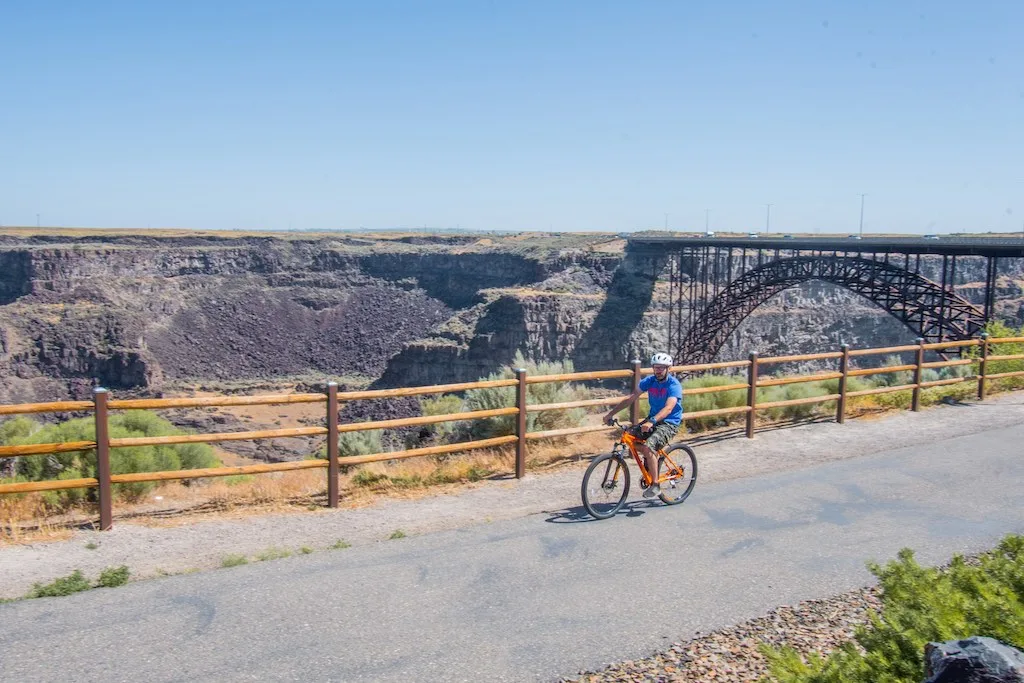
(520,115)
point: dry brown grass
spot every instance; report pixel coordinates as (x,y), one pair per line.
(25,519)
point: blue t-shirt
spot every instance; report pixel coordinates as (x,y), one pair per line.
(658,393)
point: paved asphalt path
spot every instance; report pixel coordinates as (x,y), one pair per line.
(538,597)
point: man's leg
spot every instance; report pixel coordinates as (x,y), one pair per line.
(658,439)
(650,462)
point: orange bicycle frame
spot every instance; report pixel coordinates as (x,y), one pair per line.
(673,469)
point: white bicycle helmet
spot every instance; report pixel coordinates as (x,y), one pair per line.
(661,359)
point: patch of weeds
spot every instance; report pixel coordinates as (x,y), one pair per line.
(234,561)
(477,473)
(273,554)
(73,583)
(407,482)
(6,600)
(236,479)
(92,545)
(112,577)
(367,478)
(339,545)
(397,533)
(305,550)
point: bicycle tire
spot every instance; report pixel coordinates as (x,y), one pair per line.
(609,465)
(675,491)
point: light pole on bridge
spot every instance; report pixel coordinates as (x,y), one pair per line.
(862,214)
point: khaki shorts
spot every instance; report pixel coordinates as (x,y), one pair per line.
(660,436)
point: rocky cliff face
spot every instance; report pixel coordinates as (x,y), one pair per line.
(151,314)
(147,314)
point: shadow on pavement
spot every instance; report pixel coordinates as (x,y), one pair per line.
(574,515)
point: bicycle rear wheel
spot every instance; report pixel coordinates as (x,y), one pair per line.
(605,485)
(683,476)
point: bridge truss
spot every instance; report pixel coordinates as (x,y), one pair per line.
(715,283)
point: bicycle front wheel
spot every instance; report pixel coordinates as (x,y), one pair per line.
(605,485)
(681,478)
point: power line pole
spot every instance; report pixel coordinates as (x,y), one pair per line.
(862,215)
(707,214)
(768,220)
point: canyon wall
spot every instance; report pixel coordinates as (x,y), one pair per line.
(146,315)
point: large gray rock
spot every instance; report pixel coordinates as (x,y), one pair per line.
(973,660)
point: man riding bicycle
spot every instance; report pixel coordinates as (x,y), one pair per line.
(665,395)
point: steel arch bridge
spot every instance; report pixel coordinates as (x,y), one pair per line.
(922,305)
(715,283)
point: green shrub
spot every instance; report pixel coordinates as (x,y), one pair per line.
(354,443)
(17,428)
(893,379)
(790,392)
(114,576)
(368,478)
(273,553)
(921,605)
(712,401)
(505,397)
(82,464)
(443,405)
(234,561)
(999,329)
(73,583)
(360,443)
(896,400)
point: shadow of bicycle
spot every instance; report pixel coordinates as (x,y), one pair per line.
(575,515)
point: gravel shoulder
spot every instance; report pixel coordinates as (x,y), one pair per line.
(154,551)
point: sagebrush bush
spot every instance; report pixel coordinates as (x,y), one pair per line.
(720,399)
(893,379)
(505,397)
(354,443)
(359,443)
(443,405)
(920,605)
(82,464)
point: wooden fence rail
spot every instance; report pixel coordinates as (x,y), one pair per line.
(102,404)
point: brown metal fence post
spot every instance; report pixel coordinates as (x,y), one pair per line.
(99,397)
(915,403)
(332,444)
(752,394)
(634,409)
(521,424)
(844,367)
(981,366)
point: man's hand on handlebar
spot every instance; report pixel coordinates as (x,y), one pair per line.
(646,426)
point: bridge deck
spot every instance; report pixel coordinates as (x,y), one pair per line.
(966,246)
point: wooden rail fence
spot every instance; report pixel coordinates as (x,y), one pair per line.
(102,404)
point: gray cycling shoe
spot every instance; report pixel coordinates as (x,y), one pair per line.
(652,491)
